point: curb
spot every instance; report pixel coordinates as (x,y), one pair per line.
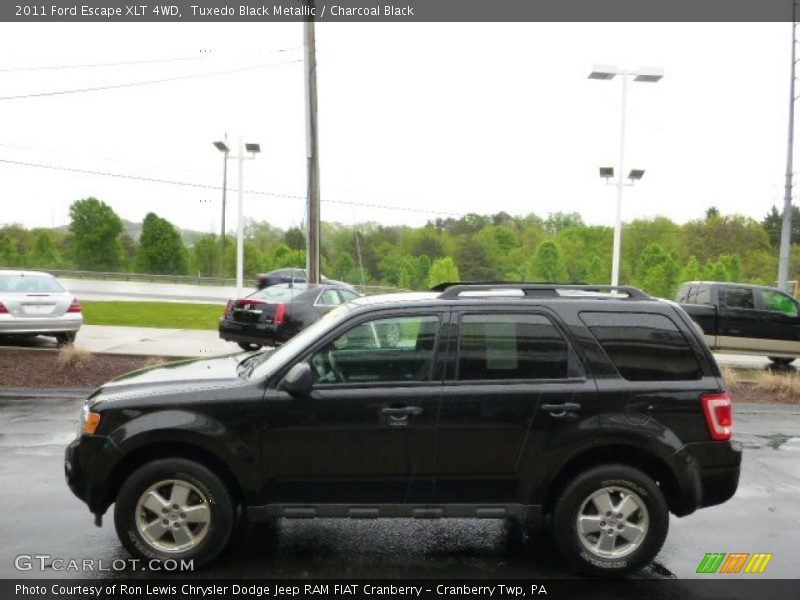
(40,393)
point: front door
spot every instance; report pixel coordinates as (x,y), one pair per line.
(348,442)
(780,322)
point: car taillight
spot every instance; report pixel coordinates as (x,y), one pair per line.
(280,313)
(75,306)
(3,309)
(227,309)
(719,415)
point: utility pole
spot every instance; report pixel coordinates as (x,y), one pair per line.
(786,229)
(312,151)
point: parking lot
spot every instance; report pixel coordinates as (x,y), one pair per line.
(43,518)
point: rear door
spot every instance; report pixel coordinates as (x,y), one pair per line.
(738,322)
(508,366)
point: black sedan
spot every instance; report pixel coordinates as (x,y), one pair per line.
(274,314)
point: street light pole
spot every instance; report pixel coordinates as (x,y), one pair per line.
(253,149)
(786,226)
(239,226)
(224,192)
(651,75)
(620,186)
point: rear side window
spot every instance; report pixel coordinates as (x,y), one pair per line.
(510,346)
(738,298)
(643,346)
(703,296)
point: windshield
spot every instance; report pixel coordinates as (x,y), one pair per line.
(269,362)
(30,284)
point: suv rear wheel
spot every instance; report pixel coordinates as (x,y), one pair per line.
(174,509)
(611,520)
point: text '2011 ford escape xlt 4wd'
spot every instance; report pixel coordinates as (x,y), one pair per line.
(598,411)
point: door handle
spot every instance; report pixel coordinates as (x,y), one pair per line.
(404,411)
(560,410)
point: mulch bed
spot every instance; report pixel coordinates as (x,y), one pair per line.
(42,369)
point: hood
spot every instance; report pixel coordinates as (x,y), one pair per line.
(203,373)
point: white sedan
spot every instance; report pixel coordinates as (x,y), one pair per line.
(34,303)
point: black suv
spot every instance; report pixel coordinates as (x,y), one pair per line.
(593,411)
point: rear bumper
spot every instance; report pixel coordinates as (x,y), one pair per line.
(713,473)
(253,333)
(69,323)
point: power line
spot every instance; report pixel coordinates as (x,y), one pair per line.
(193,184)
(127,62)
(107,64)
(148,82)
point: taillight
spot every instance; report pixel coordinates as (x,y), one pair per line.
(227,309)
(719,415)
(280,313)
(75,306)
(3,309)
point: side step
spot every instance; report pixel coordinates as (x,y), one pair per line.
(375,511)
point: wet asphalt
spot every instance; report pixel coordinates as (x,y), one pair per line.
(42,517)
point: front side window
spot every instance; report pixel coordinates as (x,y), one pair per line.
(643,346)
(510,346)
(739,298)
(778,302)
(396,350)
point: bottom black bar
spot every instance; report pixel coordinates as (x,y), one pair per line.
(426,589)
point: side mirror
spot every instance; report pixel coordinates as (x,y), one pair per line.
(298,381)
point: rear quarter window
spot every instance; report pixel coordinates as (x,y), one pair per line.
(644,346)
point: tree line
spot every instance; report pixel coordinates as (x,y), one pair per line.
(657,254)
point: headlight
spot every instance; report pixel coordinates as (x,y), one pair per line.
(88,422)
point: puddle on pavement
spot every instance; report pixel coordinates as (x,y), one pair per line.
(781,441)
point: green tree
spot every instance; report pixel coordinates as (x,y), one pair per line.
(443,270)
(161,250)
(295,239)
(9,257)
(559,221)
(692,271)
(207,255)
(773,224)
(547,264)
(44,254)
(657,271)
(716,271)
(96,229)
(733,266)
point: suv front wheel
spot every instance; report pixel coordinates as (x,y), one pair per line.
(611,520)
(174,508)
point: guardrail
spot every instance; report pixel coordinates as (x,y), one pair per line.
(368,290)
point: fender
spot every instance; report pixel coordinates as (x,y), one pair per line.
(239,455)
(630,441)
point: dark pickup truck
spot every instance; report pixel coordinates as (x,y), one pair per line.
(744,319)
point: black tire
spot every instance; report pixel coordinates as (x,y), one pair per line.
(618,478)
(247,346)
(781,361)
(221,511)
(65,339)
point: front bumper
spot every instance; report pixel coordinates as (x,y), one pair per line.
(88,461)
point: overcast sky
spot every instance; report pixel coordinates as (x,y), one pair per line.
(440,118)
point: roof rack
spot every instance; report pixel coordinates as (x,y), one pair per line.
(453,291)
